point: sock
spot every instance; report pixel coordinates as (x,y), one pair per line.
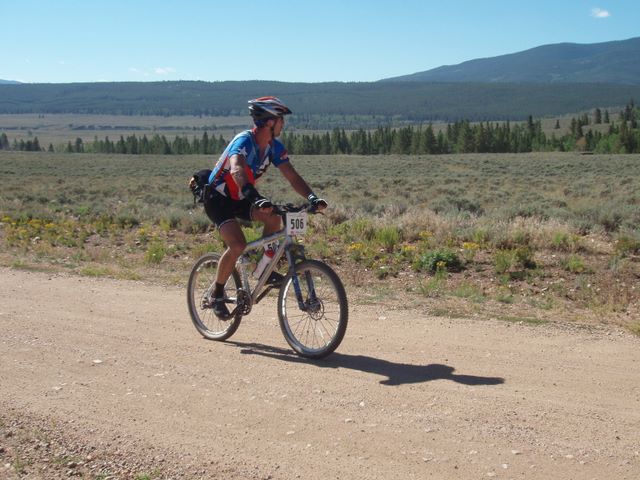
(218,292)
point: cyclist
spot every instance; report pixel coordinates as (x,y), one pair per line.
(232,191)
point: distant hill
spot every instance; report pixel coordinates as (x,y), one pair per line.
(320,105)
(610,62)
(9,82)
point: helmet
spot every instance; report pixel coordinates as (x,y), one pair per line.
(265,108)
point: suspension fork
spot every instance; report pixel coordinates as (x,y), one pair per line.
(291,258)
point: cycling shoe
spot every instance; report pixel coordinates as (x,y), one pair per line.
(219,306)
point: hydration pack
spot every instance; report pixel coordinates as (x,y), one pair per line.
(200,186)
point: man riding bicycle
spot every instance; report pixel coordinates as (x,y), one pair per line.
(232,193)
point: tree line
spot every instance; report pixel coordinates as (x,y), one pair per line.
(131,145)
(622,136)
(483,137)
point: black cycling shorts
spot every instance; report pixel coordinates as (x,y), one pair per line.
(221,209)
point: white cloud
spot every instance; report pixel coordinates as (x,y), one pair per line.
(133,69)
(164,70)
(600,13)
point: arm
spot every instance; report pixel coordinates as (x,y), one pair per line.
(238,170)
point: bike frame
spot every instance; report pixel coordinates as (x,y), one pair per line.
(284,248)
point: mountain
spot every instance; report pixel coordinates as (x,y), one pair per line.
(9,82)
(610,62)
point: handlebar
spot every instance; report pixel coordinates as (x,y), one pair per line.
(282,210)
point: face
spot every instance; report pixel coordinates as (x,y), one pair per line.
(278,126)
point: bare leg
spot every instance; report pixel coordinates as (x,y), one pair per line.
(270,220)
(232,235)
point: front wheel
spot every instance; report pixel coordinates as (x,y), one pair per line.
(200,294)
(315,323)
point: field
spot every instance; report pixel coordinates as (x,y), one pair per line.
(529,237)
(59,129)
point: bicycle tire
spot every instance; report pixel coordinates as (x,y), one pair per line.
(201,281)
(317,332)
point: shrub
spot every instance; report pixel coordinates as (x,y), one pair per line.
(388,237)
(566,242)
(156,252)
(574,264)
(447,258)
(469,250)
(524,257)
(127,220)
(505,296)
(480,236)
(196,224)
(469,291)
(200,249)
(627,244)
(521,237)
(358,230)
(503,260)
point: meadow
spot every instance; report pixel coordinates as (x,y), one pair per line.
(59,129)
(526,237)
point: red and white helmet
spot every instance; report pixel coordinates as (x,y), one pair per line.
(264,108)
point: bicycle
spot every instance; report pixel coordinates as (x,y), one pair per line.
(312,302)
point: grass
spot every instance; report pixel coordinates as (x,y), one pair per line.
(469,291)
(536,222)
(30,267)
(96,271)
(149,476)
(156,252)
(551,186)
(20,465)
(574,264)
(523,320)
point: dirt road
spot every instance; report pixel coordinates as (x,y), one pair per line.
(108,379)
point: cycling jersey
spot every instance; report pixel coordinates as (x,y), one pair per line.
(244,144)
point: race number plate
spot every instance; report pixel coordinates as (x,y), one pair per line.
(296,223)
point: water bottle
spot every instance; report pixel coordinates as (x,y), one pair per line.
(267,256)
(262,264)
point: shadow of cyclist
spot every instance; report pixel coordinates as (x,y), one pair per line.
(395,373)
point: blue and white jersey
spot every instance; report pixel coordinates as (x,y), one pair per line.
(244,144)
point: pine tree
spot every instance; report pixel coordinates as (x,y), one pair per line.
(430,142)
(204,144)
(597,117)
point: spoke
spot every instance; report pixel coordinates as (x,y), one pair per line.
(324,342)
(326,330)
(312,330)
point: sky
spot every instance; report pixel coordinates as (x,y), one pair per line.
(62,41)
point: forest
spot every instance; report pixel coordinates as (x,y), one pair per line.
(621,136)
(321,106)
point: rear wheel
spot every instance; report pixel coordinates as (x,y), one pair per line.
(200,294)
(316,327)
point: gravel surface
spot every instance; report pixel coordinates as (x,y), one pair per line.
(108,379)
